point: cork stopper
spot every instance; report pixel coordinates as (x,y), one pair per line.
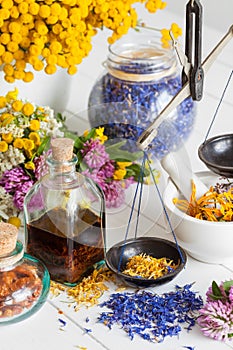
(62,149)
(8,238)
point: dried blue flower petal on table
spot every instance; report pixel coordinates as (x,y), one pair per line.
(63,323)
(152,316)
(87,330)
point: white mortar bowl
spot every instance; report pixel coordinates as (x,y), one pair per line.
(207,241)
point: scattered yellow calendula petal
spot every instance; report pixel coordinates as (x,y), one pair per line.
(88,291)
(146,266)
(212,206)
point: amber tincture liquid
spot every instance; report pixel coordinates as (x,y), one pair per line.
(67,255)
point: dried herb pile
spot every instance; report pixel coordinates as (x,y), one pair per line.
(215,205)
(151,316)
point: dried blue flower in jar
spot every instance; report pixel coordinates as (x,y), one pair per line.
(140,81)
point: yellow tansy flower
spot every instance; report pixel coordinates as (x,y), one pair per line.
(44,11)
(5,38)
(29,166)
(62,26)
(5,116)
(7,120)
(176,30)
(3,101)
(72,70)
(28,77)
(34,125)
(2,50)
(50,69)
(28,144)
(7,4)
(34,8)
(28,109)
(35,138)
(166,37)
(29,153)
(9,79)
(12,46)
(7,137)
(17,105)
(18,143)
(8,69)
(23,7)
(3,146)
(14,27)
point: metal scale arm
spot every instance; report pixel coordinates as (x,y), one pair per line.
(192,75)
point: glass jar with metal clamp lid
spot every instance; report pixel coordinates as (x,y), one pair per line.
(140,79)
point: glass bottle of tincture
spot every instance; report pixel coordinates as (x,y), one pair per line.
(65,217)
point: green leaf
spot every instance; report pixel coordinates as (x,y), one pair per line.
(60,118)
(89,136)
(214,297)
(116,153)
(216,290)
(135,171)
(43,145)
(78,143)
(82,166)
(130,172)
(227,285)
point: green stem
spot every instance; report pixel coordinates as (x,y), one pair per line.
(147,27)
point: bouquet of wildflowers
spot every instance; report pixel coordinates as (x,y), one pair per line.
(111,166)
(216,317)
(25,130)
(25,133)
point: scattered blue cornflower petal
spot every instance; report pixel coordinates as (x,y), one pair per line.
(87,319)
(151,316)
(170,269)
(87,330)
(188,347)
(63,323)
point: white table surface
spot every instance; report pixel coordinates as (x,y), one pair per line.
(42,330)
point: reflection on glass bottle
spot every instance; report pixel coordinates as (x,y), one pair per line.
(65,217)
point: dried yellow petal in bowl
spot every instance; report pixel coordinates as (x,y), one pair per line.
(146,266)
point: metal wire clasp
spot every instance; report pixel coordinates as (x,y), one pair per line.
(193,49)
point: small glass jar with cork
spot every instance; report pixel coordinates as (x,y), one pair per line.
(65,217)
(24,280)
